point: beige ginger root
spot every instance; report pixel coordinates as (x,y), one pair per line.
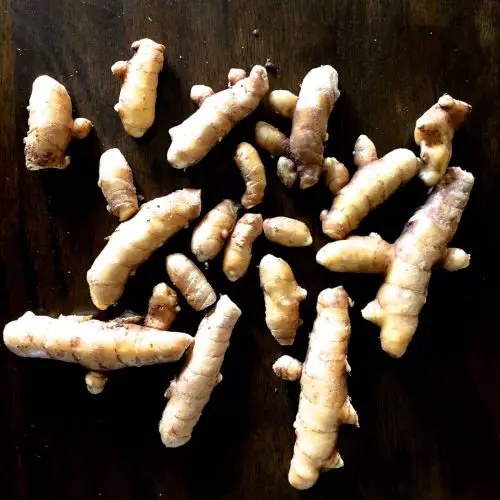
(213,230)
(407,263)
(163,308)
(134,241)
(282,296)
(336,175)
(217,115)
(434,132)
(374,181)
(287,232)
(254,174)
(190,391)
(190,281)
(139,78)
(283,102)
(95,382)
(288,368)
(51,126)
(238,251)
(117,184)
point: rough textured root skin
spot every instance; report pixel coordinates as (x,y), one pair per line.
(421,246)
(282,296)
(214,229)
(117,184)
(253,172)
(283,102)
(190,281)
(139,78)
(318,94)
(238,251)
(287,173)
(271,139)
(235,75)
(434,132)
(324,402)
(95,382)
(199,93)
(288,368)
(163,308)
(287,232)
(190,391)
(370,186)
(336,175)
(97,345)
(198,134)
(134,241)
(51,126)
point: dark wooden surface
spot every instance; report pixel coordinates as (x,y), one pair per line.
(430,422)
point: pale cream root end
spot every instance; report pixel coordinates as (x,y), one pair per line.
(235,75)
(253,172)
(95,382)
(163,308)
(287,172)
(455,259)
(283,102)
(288,368)
(287,232)
(81,128)
(364,152)
(271,139)
(336,175)
(199,93)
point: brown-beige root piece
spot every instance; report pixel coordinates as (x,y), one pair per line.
(238,252)
(199,93)
(336,175)
(217,115)
(282,297)
(288,368)
(134,241)
(213,230)
(375,180)
(190,281)
(287,232)
(117,184)
(283,102)
(51,125)
(408,262)
(163,308)
(95,382)
(434,132)
(139,79)
(190,391)
(235,75)
(253,172)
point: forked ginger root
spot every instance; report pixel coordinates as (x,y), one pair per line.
(253,172)
(51,126)
(282,296)
(217,115)
(134,241)
(288,368)
(139,77)
(434,132)
(190,391)
(163,308)
(287,232)
(407,263)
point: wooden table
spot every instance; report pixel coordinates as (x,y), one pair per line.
(430,422)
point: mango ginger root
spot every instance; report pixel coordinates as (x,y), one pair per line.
(287,232)
(190,391)
(163,308)
(51,126)
(288,368)
(254,174)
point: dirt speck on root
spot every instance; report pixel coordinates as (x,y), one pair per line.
(271,67)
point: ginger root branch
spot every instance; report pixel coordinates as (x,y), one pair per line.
(288,368)
(163,308)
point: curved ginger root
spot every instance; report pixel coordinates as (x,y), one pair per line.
(214,229)
(336,175)
(139,77)
(190,391)
(238,251)
(117,184)
(217,115)
(51,126)
(134,241)
(254,174)
(283,102)
(163,308)
(282,297)
(434,132)
(288,368)
(287,232)
(371,185)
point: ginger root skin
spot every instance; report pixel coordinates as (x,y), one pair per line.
(95,382)
(190,281)
(134,241)
(51,126)
(283,102)
(214,229)
(199,93)
(235,75)
(163,308)
(139,79)
(287,232)
(238,252)
(253,172)
(190,391)
(117,184)
(434,132)
(288,368)
(282,296)
(271,139)
(217,115)
(336,175)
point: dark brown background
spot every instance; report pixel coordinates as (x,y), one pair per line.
(430,422)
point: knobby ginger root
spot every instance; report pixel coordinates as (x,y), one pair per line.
(134,241)
(336,175)
(190,281)
(217,115)
(283,102)
(139,78)
(254,174)
(434,132)
(214,229)
(117,184)
(282,297)
(163,308)
(288,368)
(190,391)
(238,251)
(287,232)
(199,93)
(51,126)
(374,181)
(235,75)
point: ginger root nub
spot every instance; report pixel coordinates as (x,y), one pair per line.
(163,308)
(288,368)
(283,102)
